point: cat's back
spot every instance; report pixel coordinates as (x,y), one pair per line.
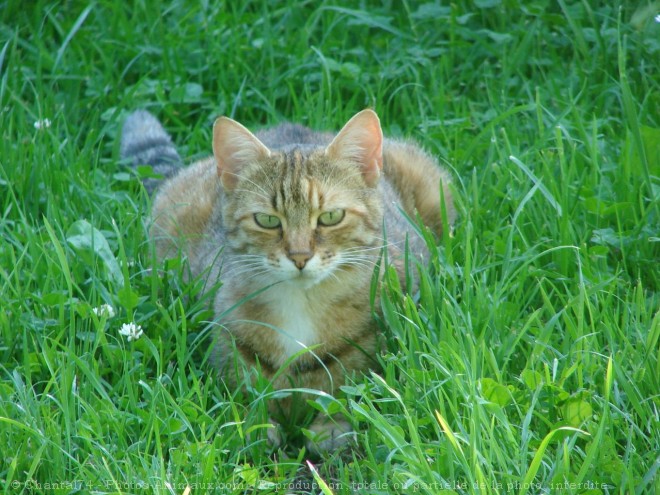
(287,136)
(417,179)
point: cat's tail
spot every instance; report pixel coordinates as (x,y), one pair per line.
(145,142)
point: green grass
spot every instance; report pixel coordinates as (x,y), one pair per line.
(529,361)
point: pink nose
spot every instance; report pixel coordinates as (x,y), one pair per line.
(300,259)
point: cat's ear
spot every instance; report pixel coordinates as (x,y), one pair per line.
(233,148)
(360,141)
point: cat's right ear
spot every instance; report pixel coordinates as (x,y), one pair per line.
(234,147)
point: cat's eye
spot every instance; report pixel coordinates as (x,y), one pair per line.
(332,217)
(267,221)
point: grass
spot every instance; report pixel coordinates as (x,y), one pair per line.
(529,360)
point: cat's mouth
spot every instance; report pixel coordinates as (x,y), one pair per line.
(306,278)
(315,271)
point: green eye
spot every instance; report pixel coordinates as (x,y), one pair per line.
(267,221)
(332,217)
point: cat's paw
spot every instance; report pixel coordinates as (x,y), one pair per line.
(274,434)
(329,435)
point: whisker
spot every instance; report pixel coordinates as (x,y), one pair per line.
(244,262)
(369,260)
(362,264)
(255,274)
(240,272)
(242,177)
(247,270)
(250,267)
(245,256)
(362,249)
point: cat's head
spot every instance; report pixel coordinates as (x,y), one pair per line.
(304,215)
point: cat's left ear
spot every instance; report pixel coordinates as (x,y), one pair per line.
(361,141)
(234,147)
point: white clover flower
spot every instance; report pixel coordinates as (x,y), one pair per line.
(131,331)
(104,311)
(657,18)
(42,124)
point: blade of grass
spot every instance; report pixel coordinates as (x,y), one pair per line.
(74,29)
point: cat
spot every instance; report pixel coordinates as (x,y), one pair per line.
(292,223)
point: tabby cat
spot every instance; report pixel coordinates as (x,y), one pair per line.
(292,222)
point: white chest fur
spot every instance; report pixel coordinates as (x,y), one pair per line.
(293,320)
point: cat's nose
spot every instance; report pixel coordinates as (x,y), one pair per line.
(300,258)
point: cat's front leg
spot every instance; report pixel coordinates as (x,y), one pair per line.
(274,434)
(329,434)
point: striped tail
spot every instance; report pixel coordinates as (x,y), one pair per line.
(145,142)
